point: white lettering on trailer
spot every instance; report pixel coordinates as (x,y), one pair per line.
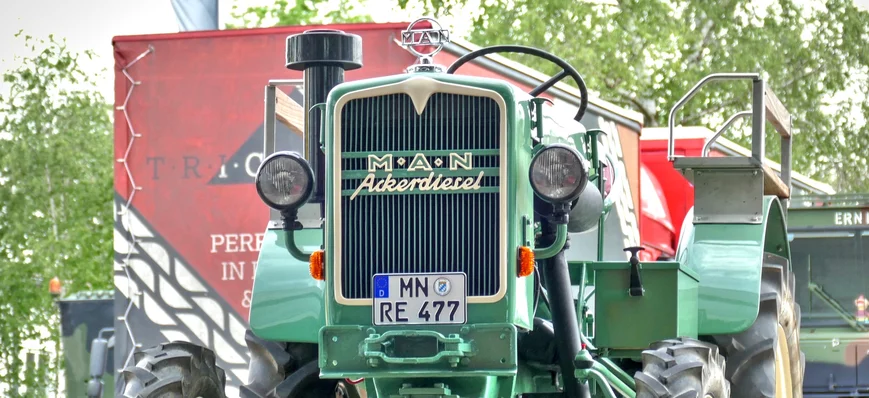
(222,167)
(247,163)
(860,217)
(233,270)
(236,243)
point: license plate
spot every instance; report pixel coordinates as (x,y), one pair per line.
(419,299)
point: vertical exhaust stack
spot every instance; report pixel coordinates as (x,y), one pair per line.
(323,55)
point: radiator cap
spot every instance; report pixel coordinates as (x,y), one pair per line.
(324,47)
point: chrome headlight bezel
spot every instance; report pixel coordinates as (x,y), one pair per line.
(303,167)
(578,170)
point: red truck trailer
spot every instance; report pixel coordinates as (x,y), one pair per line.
(188,140)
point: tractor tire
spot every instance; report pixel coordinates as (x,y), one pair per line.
(755,356)
(288,370)
(680,368)
(174,370)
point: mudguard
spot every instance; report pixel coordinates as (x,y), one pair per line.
(287,303)
(728,259)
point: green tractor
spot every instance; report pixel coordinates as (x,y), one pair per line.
(417,249)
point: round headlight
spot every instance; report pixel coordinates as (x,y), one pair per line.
(557,174)
(285,181)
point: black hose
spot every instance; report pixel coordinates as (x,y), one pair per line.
(584,390)
(564,321)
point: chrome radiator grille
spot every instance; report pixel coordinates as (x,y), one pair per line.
(420,231)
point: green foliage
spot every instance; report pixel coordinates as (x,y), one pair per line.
(646,54)
(300,12)
(55,201)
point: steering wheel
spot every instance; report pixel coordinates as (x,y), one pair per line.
(566,70)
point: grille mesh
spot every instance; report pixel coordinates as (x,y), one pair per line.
(420,232)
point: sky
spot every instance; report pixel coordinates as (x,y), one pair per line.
(85,24)
(91,24)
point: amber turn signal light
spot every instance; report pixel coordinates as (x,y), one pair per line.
(525,264)
(317,266)
(55,287)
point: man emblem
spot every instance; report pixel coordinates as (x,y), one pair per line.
(434,37)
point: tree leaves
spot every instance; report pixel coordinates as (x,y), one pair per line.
(645,54)
(56,194)
(302,12)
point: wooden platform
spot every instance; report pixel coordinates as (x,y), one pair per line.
(289,113)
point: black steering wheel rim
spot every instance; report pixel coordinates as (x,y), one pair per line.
(566,70)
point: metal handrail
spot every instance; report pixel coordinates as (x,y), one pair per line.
(720,131)
(715,76)
(765,107)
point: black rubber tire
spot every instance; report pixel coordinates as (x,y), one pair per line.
(174,370)
(682,368)
(750,354)
(277,369)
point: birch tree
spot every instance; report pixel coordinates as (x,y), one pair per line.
(55,201)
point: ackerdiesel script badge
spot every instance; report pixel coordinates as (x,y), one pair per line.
(419,162)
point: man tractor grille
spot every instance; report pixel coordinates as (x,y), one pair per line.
(420,231)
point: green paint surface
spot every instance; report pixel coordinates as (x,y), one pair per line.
(728,259)
(488,349)
(667,309)
(287,303)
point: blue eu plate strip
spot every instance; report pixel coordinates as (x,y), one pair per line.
(381,286)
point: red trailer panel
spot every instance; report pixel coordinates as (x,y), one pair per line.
(198,109)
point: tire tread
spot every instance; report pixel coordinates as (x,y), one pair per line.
(174,370)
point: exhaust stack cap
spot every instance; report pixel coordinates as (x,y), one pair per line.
(324,47)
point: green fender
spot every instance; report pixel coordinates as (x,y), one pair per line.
(728,259)
(287,303)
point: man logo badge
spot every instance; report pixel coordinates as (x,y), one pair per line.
(434,37)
